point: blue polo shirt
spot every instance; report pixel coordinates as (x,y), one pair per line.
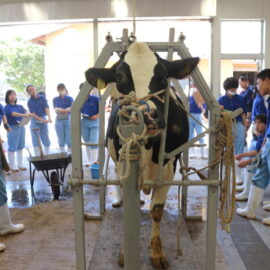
(259,142)
(38,105)
(248,98)
(9,109)
(258,107)
(233,103)
(267,133)
(90,106)
(2,113)
(193,107)
(62,102)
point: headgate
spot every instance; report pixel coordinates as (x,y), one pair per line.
(77,180)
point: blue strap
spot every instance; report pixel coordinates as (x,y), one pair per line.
(142,102)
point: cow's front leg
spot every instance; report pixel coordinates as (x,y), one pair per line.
(157,256)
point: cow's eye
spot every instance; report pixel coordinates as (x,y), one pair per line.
(118,77)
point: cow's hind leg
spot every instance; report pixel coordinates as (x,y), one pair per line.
(157,256)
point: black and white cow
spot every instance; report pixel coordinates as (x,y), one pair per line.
(144,72)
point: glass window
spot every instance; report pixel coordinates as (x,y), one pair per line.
(236,68)
(197,33)
(241,36)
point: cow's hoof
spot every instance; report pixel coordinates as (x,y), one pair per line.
(160,263)
(121,258)
(146,189)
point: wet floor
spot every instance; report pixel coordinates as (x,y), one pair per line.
(21,195)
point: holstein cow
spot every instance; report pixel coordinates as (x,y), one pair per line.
(142,71)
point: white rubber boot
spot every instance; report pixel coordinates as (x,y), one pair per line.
(118,197)
(11,160)
(202,151)
(88,154)
(243,196)
(6,225)
(20,160)
(46,150)
(62,149)
(2,247)
(240,188)
(36,151)
(266,221)
(254,199)
(238,174)
(266,202)
(94,155)
(266,207)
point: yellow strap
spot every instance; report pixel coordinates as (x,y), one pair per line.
(100,84)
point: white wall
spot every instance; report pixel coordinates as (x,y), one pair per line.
(255,9)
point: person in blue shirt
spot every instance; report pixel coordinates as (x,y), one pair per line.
(231,102)
(62,105)
(39,108)
(260,127)
(261,178)
(16,137)
(196,111)
(258,107)
(248,95)
(90,126)
(4,118)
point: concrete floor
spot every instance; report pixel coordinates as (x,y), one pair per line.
(247,247)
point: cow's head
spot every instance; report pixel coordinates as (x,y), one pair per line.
(142,71)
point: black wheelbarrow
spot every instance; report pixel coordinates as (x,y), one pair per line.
(57,163)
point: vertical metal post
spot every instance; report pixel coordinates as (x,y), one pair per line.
(131,204)
(165,115)
(77,173)
(215,56)
(95,38)
(184,194)
(212,196)
(212,202)
(131,197)
(101,143)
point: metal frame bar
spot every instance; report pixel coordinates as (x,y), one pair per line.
(78,180)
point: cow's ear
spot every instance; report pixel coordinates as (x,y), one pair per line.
(92,75)
(106,75)
(180,69)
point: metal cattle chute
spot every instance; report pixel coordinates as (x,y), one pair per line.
(132,222)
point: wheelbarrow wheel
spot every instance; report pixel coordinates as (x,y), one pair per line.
(55,185)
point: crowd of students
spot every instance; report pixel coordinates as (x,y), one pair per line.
(252,129)
(15,116)
(251,133)
(12,115)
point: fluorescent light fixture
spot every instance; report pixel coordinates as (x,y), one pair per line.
(119,8)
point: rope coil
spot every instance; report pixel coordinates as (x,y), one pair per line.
(224,148)
(225,151)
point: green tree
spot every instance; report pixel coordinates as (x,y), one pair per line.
(22,63)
